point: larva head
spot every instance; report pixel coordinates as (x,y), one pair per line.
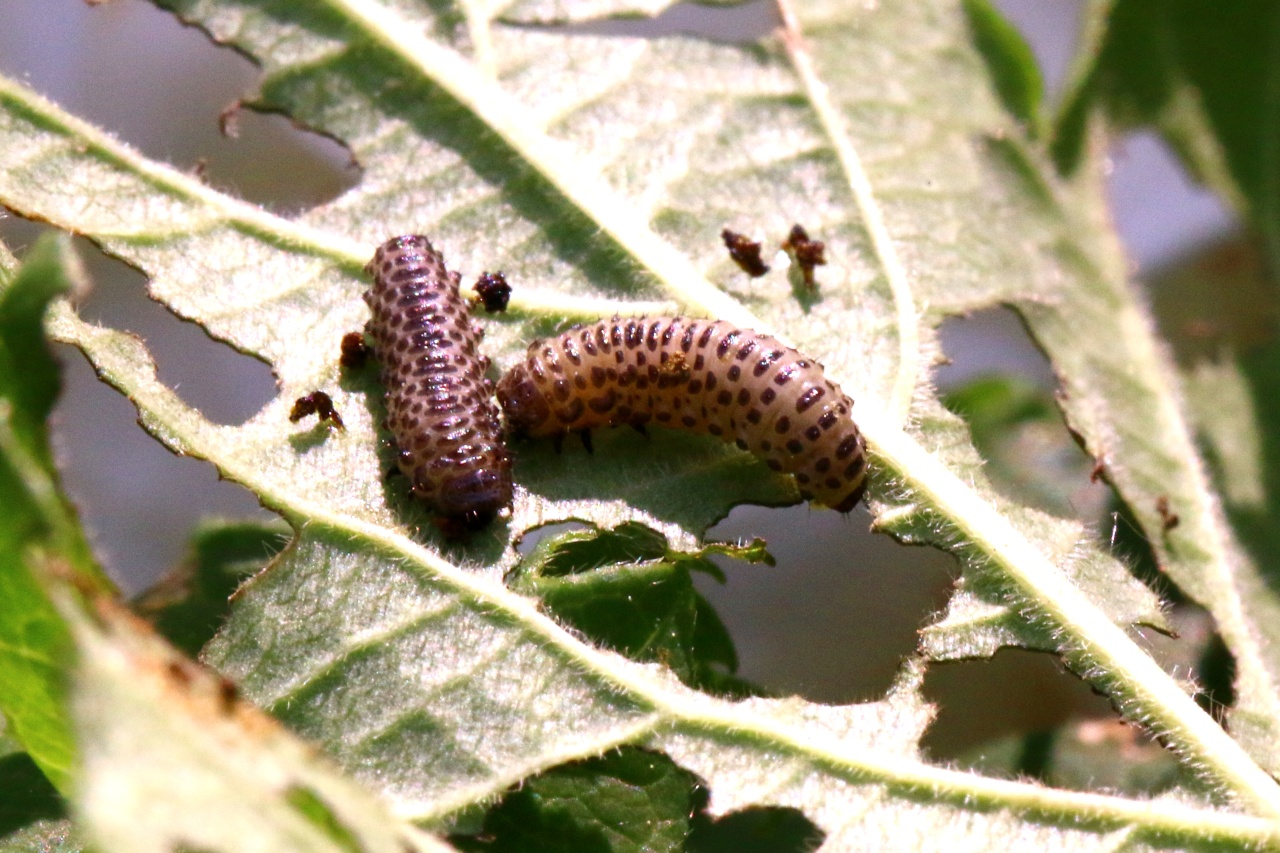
(474,498)
(522,401)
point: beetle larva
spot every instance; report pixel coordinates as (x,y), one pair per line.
(700,375)
(439,410)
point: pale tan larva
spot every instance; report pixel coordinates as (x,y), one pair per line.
(439,406)
(700,375)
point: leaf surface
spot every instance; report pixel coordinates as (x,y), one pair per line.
(597,172)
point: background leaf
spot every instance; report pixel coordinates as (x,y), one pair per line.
(38,527)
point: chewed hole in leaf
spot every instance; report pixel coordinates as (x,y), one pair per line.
(1093,754)
(1014,691)
(739,22)
(227,386)
(1028,452)
(757,830)
(987,342)
(166,101)
(246,165)
(833,620)
(140,500)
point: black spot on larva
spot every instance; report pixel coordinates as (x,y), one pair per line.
(765,361)
(632,388)
(808,398)
(848,446)
(445,425)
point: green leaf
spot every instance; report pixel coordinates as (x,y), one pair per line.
(628,591)
(598,172)
(32,814)
(629,801)
(1013,67)
(170,757)
(38,526)
(189,604)
(1201,74)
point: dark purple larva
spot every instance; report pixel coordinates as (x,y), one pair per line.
(700,375)
(439,406)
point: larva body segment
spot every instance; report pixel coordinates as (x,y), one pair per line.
(439,410)
(699,375)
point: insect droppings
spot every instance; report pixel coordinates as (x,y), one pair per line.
(745,253)
(494,292)
(807,253)
(354,351)
(316,403)
(703,376)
